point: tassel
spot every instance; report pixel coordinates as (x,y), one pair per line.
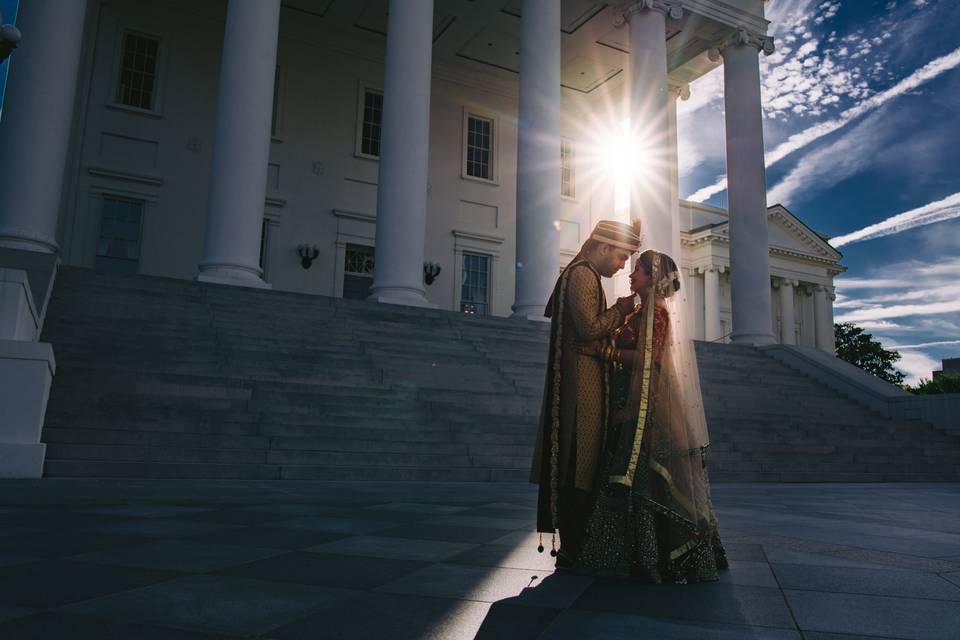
(540,546)
(553,543)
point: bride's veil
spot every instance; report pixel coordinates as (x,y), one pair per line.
(675,434)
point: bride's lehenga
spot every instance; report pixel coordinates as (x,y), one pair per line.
(653,516)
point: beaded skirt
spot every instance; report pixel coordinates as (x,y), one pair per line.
(632,534)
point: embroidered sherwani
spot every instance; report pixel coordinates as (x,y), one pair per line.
(575,400)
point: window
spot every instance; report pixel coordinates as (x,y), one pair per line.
(474,291)
(118,248)
(371,122)
(567,176)
(479,148)
(358,272)
(138,71)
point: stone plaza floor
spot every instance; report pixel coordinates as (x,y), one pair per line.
(146,560)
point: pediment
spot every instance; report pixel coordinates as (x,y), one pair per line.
(789,234)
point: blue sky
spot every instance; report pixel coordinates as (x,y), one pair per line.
(861,134)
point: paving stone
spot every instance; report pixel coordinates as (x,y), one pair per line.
(384,515)
(908,618)
(336,525)
(749,572)
(7,530)
(297,509)
(952,577)
(788,556)
(421,531)
(272,537)
(881,582)
(398,548)
(53,625)
(495,555)
(159,528)
(744,551)
(10,612)
(482,522)
(588,625)
(50,583)
(394,616)
(145,510)
(179,555)
(214,604)
(60,519)
(349,572)
(236,517)
(51,544)
(416,507)
(704,602)
(10,560)
(491,584)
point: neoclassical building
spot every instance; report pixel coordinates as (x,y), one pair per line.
(442,153)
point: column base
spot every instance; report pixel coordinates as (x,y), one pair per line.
(404,297)
(232,277)
(26,371)
(753,339)
(25,243)
(530,312)
(22,460)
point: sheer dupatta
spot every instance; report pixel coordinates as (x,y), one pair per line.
(656,456)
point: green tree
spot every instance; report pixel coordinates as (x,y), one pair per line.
(859,348)
(943,383)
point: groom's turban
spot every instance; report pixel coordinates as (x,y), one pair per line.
(618,234)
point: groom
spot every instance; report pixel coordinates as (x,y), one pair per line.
(574,412)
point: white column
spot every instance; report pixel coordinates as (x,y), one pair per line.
(711,304)
(681,92)
(35,126)
(650,191)
(538,157)
(823,318)
(402,191)
(747,196)
(241,145)
(788,316)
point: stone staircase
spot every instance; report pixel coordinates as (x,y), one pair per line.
(164,378)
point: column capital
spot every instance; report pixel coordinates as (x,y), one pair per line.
(679,91)
(711,268)
(742,36)
(779,281)
(625,10)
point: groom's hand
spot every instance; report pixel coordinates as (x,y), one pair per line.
(626,304)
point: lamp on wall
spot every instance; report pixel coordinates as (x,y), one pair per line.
(9,39)
(430,272)
(308,253)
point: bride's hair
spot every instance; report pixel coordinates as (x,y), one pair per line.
(662,270)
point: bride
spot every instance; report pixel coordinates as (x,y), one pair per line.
(653,517)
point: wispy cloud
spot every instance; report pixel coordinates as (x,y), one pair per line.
(939,211)
(802,139)
(900,311)
(925,345)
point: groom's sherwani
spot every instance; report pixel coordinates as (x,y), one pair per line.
(574,411)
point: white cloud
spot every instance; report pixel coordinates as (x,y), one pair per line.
(899,311)
(802,139)
(939,211)
(925,345)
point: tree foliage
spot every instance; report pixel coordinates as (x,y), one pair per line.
(944,383)
(858,347)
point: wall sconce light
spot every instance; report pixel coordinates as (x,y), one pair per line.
(9,39)
(308,253)
(430,272)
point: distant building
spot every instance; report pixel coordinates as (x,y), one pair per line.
(950,366)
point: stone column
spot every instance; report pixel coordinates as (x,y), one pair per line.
(677,92)
(747,196)
(650,191)
(37,116)
(788,316)
(538,158)
(402,192)
(711,304)
(241,145)
(823,318)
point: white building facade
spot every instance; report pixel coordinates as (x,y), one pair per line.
(243,141)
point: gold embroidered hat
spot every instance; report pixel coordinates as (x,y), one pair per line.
(618,234)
